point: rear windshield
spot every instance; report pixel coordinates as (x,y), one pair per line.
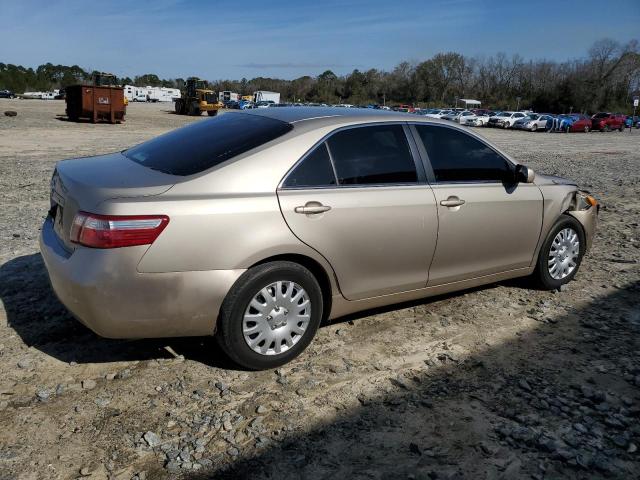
(205,144)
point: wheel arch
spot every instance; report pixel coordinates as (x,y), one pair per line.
(317,270)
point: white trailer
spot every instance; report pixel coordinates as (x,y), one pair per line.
(135,94)
(129,92)
(150,94)
(161,94)
(264,96)
(228,96)
(171,94)
(50,95)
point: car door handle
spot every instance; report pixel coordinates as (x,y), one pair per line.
(452,202)
(312,208)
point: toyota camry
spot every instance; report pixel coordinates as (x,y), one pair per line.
(256,226)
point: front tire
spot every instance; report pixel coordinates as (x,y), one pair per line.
(270,315)
(561,253)
(194,109)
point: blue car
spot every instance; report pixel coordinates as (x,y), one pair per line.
(631,121)
(566,121)
(561,123)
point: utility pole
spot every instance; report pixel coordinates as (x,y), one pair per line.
(518,105)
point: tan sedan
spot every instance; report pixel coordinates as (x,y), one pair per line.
(257,226)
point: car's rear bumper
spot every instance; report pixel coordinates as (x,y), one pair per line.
(103,289)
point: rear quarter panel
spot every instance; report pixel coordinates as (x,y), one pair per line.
(220,233)
(226,219)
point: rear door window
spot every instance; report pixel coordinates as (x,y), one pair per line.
(372,155)
(456,156)
(315,170)
(207,143)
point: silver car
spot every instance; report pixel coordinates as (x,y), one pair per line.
(532,122)
(257,226)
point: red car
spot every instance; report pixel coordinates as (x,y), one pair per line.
(580,123)
(406,108)
(605,122)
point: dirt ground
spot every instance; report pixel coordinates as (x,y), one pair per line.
(497,382)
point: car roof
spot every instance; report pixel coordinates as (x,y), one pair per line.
(328,115)
(305,119)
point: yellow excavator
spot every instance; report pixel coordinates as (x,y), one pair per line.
(197,99)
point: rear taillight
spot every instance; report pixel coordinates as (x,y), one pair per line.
(114,231)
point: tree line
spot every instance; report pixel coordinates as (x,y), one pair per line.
(606,78)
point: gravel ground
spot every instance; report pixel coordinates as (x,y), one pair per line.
(496,382)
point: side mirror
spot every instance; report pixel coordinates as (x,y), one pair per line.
(525,174)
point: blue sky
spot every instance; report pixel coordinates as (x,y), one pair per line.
(291,38)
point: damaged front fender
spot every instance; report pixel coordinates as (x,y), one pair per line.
(585,209)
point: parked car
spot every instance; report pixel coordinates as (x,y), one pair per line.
(577,123)
(231,104)
(438,113)
(404,108)
(605,121)
(450,116)
(265,104)
(632,121)
(255,226)
(505,119)
(462,116)
(532,122)
(7,94)
(478,119)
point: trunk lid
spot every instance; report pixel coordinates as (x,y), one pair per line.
(84,183)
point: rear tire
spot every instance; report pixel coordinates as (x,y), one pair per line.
(534,127)
(236,321)
(194,109)
(212,113)
(554,248)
